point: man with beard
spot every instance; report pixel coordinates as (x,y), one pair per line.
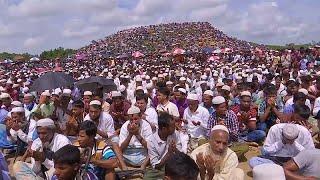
(215,160)
(29,102)
(118,110)
(41,152)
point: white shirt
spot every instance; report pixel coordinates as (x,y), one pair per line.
(25,137)
(273,144)
(152,116)
(316,107)
(170,108)
(157,148)
(57,142)
(201,115)
(145,132)
(105,125)
(289,102)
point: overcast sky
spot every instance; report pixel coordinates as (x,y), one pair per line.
(36,25)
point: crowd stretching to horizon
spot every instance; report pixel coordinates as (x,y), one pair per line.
(173,116)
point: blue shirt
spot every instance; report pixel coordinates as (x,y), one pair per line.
(3,115)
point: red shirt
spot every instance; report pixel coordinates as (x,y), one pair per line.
(252,113)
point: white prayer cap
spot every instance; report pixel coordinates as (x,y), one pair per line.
(46,122)
(290,131)
(219,84)
(253,119)
(28,95)
(3,80)
(220,127)
(45,93)
(122,88)
(15,85)
(87,93)
(304,91)
(16,103)
(27,83)
(218,100)
(202,82)
(95,102)
(226,87)
(147,77)
(208,92)
(4,95)
(268,171)
(138,79)
(133,110)
(245,93)
(9,81)
(160,76)
(17,109)
(203,77)
(154,79)
(2,89)
(25,89)
(139,88)
(169,83)
(66,91)
(182,79)
(192,97)
(182,90)
(115,94)
(149,86)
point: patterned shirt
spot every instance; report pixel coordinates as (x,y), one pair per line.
(252,114)
(230,121)
(272,116)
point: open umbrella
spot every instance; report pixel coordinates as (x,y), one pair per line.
(178,51)
(207,50)
(52,80)
(34,59)
(94,82)
(137,54)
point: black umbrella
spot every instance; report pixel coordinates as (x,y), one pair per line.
(95,82)
(52,80)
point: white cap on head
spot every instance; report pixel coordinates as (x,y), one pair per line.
(133,110)
(15,85)
(268,171)
(219,84)
(17,109)
(218,100)
(192,96)
(226,87)
(208,92)
(304,91)
(4,95)
(67,91)
(245,93)
(154,79)
(182,90)
(169,83)
(28,95)
(95,102)
(182,79)
(116,94)
(149,86)
(220,127)
(25,89)
(9,81)
(16,103)
(139,88)
(122,88)
(290,131)
(87,93)
(46,122)
(138,79)
(45,93)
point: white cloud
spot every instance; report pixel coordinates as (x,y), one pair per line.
(33,42)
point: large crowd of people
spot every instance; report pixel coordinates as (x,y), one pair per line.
(180,117)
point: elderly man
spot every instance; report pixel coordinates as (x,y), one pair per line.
(41,152)
(103,121)
(29,102)
(283,142)
(195,118)
(215,160)
(45,108)
(133,139)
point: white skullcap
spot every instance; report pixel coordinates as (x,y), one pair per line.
(25,89)
(203,77)
(45,93)
(17,109)
(15,85)
(160,76)
(139,88)
(226,87)
(28,95)
(169,83)
(268,171)
(122,88)
(290,131)
(304,91)
(9,81)
(138,79)
(219,84)
(66,91)
(87,93)
(46,122)
(182,79)
(218,100)
(208,92)
(182,90)
(95,102)
(116,94)
(192,97)
(202,82)
(133,110)
(16,103)
(147,77)
(2,89)
(220,127)
(4,95)
(154,79)
(245,93)
(149,86)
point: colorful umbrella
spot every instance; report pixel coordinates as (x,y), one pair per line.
(137,54)
(178,51)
